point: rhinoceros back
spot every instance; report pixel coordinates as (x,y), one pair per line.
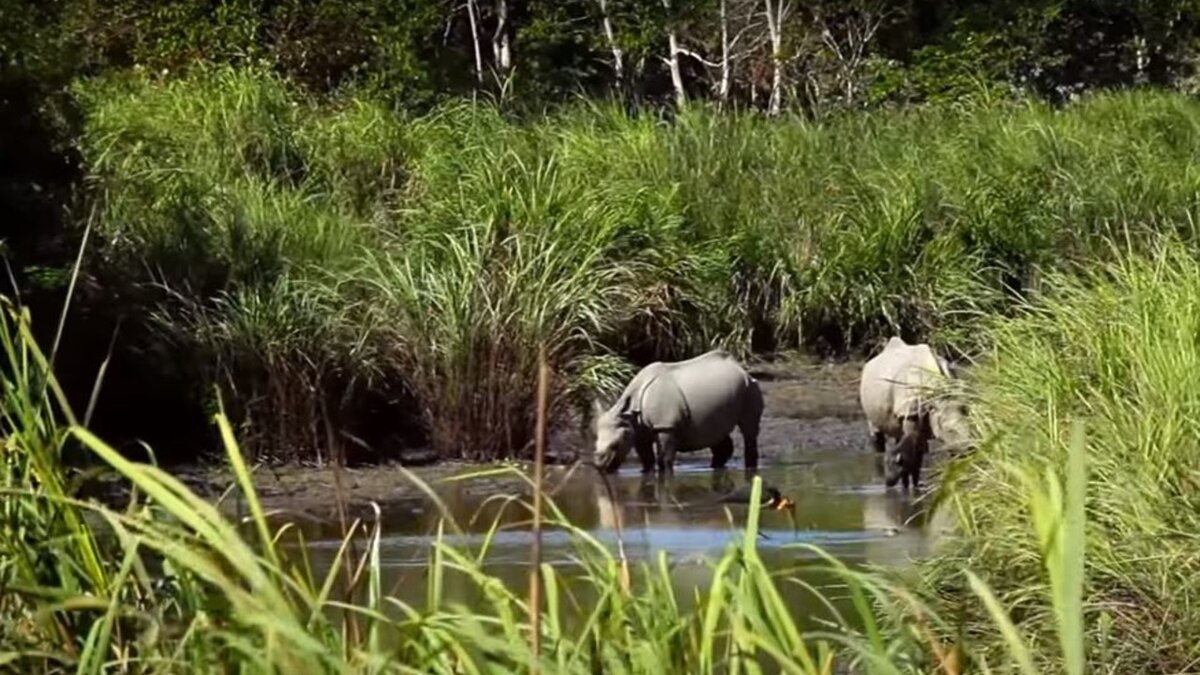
(700,399)
(891,382)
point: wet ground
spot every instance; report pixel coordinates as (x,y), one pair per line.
(808,406)
(814,449)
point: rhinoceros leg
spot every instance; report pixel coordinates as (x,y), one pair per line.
(721,452)
(751,449)
(666,451)
(644,445)
(878,441)
(918,457)
(907,454)
(752,412)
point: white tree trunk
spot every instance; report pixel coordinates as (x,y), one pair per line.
(618,55)
(1141,59)
(475,40)
(673,60)
(850,49)
(676,75)
(723,88)
(501,41)
(775,13)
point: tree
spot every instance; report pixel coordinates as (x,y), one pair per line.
(502,39)
(777,12)
(672,58)
(618,55)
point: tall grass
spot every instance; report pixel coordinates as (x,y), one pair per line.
(169,584)
(319,251)
(1113,346)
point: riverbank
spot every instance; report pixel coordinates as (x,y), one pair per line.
(809,403)
(1035,503)
(336,268)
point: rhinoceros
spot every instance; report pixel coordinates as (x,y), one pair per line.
(898,403)
(681,406)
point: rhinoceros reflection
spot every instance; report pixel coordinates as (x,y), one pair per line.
(901,530)
(693,502)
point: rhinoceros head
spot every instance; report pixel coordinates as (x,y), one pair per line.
(949,423)
(613,429)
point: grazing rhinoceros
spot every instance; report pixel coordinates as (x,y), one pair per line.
(896,399)
(681,407)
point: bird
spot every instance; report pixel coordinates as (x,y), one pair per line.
(771,498)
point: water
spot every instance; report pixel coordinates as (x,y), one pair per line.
(841,506)
(813,447)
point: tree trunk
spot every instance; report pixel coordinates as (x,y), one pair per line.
(475,40)
(673,60)
(723,89)
(501,41)
(1140,59)
(618,55)
(774,19)
(676,76)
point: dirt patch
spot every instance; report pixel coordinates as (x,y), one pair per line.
(805,390)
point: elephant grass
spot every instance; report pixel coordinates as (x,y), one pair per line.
(319,254)
(168,583)
(1114,347)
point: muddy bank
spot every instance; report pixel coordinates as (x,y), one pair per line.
(808,404)
(814,449)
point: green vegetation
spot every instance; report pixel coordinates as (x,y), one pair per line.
(1113,347)
(309,258)
(168,583)
(286,191)
(355,222)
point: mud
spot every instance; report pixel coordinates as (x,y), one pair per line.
(808,404)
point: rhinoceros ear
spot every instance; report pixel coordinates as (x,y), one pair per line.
(597,408)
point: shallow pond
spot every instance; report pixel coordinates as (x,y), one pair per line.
(816,455)
(840,506)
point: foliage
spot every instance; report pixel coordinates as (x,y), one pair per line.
(169,583)
(300,133)
(414,52)
(1113,347)
(308,256)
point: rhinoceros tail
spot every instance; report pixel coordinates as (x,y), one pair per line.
(754,405)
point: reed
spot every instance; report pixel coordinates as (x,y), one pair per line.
(1112,347)
(169,584)
(333,253)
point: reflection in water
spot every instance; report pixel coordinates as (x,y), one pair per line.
(895,516)
(659,500)
(840,506)
(888,512)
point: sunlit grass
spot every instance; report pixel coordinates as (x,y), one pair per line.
(315,253)
(169,584)
(1115,348)
(318,253)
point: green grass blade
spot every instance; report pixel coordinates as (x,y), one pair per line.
(1016,646)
